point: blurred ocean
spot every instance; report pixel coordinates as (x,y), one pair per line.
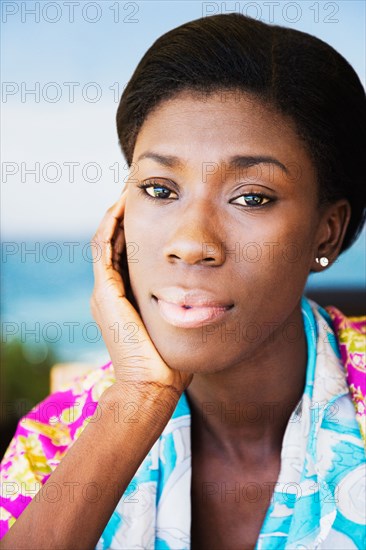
(46,288)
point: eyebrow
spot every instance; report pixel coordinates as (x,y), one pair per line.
(237,161)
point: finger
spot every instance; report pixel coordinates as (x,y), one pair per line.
(113,218)
(102,242)
(107,228)
(118,247)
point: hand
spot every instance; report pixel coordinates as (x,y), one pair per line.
(134,356)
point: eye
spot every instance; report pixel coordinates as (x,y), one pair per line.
(252,200)
(156,190)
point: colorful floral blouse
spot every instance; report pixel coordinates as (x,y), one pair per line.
(319,498)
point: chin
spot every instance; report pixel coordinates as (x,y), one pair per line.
(182,355)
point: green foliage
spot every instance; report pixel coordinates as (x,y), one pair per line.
(25,375)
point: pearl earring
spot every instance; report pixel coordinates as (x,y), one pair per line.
(323,261)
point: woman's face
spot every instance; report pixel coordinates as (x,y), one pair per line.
(233,217)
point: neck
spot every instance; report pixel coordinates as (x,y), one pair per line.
(245,408)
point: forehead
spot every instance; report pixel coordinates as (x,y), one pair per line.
(199,128)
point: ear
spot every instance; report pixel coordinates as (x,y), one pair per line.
(333,223)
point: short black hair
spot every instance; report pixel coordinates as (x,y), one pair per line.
(298,74)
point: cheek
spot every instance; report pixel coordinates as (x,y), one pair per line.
(297,243)
(271,264)
(141,248)
(273,243)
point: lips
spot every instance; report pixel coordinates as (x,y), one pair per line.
(191,298)
(189,308)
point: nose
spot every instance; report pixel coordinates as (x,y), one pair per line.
(195,239)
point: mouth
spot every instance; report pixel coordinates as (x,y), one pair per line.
(191,315)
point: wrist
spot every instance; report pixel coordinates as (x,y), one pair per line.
(139,400)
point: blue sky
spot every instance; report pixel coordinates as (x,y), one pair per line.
(61,134)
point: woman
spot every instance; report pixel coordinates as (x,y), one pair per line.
(226,417)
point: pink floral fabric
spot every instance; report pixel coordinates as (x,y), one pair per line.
(351,336)
(42,438)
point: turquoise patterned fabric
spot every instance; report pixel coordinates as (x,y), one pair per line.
(319,498)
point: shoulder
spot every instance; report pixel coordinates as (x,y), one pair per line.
(42,438)
(350,333)
(51,427)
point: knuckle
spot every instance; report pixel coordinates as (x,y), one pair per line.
(100,295)
(94,239)
(92,300)
(93,308)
